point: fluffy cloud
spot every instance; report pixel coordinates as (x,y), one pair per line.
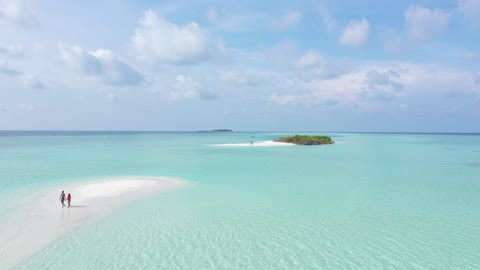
(308,60)
(315,64)
(424,24)
(102,64)
(14,12)
(355,34)
(374,87)
(471,9)
(158,40)
(290,18)
(185,87)
(381,85)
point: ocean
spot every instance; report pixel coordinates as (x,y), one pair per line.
(369,201)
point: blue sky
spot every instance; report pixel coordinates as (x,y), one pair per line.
(289,65)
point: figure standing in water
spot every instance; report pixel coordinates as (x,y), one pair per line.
(69,198)
(62,198)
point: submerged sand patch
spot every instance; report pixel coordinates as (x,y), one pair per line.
(41,219)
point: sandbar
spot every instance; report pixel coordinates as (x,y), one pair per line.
(255,144)
(40,220)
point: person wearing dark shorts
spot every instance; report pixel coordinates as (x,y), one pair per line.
(62,198)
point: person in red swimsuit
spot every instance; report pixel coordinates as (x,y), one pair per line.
(69,198)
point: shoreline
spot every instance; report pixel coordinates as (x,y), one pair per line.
(255,144)
(41,220)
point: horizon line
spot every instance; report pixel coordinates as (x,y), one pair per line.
(233,131)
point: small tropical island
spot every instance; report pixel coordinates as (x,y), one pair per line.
(306,140)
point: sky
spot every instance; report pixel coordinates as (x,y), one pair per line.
(391,66)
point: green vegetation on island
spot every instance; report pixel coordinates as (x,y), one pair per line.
(306,140)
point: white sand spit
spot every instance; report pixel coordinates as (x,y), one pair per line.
(255,144)
(41,219)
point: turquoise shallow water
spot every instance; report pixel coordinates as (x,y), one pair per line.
(371,201)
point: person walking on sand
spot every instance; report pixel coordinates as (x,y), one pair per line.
(62,198)
(69,198)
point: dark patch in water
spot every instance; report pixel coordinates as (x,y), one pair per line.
(473,164)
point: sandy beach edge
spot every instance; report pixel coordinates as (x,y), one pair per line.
(254,144)
(41,220)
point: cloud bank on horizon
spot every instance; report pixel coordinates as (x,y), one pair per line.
(189,65)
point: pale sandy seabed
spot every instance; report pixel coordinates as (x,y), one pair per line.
(40,219)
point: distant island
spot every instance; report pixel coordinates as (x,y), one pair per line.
(306,140)
(217,130)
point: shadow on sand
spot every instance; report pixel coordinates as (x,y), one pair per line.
(78,206)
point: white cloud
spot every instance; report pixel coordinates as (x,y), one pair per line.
(423,24)
(185,87)
(313,63)
(102,64)
(288,19)
(374,86)
(355,34)
(381,85)
(471,9)
(15,51)
(158,40)
(14,12)
(328,19)
(308,60)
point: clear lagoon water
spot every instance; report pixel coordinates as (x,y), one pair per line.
(370,201)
